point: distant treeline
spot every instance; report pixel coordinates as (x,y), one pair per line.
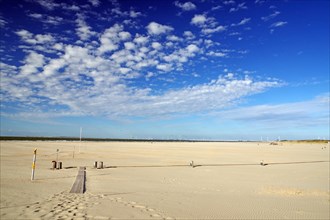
(16,138)
(307,141)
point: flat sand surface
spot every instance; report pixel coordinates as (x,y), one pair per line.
(144,180)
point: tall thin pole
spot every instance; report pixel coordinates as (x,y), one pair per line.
(80,138)
(34,163)
(80,132)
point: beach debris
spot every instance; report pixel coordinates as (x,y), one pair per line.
(273,143)
(192,164)
(262,163)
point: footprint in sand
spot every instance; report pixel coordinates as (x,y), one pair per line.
(58,206)
(142,208)
(139,206)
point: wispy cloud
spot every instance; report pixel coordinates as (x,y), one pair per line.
(208,24)
(3,22)
(271,16)
(95,3)
(279,24)
(85,82)
(242,22)
(239,7)
(313,112)
(47,19)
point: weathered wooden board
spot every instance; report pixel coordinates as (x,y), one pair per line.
(79,185)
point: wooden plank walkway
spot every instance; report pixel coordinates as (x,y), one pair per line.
(79,185)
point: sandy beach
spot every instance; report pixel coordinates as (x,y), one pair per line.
(154,180)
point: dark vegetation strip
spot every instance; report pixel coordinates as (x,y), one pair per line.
(20,138)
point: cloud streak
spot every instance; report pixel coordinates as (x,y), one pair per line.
(308,113)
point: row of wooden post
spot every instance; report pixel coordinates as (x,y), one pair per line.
(57,165)
(98,164)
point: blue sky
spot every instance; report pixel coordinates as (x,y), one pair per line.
(204,69)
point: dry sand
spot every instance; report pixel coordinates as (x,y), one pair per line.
(234,187)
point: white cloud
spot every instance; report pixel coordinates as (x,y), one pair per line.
(164,67)
(47,19)
(29,38)
(95,78)
(219,28)
(129,46)
(58,46)
(173,38)
(187,6)
(135,14)
(216,54)
(43,38)
(182,55)
(124,70)
(192,48)
(154,28)
(32,62)
(214,8)
(156,45)
(242,22)
(48,4)
(36,15)
(124,35)
(83,30)
(53,66)
(95,3)
(198,20)
(295,114)
(24,34)
(208,24)
(3,22)
(149,75)
(110,39)
(229,2)
(239,7)
(279,24)
(140,39)
(88,83)
(271,16)
(189,35)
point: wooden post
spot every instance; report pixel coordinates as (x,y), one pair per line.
(95,164)
(34,163)
(59,165)
(100,165)
(74,149)
(54,164)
